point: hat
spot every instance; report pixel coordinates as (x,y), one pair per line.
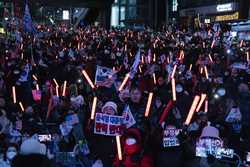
(32,146)
(210,131)
(110,104)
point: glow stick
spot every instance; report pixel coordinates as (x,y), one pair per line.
(206,73)
(21,47)
(124,82)
(150,97)
(154,78)
(140,69)
(21,106)
(201,70)
(119,149)
(212,45)
(34,77)
(247,56)
(173,89)
(88,79)
(192,109)
(166,110)
(204,45)
(210,58)
(54,80)
(93,108)
(154,59)
(130,54)
(203,97)
(64,88)
(190,67)
(206,106)
(173,72)
(37,87)
(241,43)
(57,91)
(142,59)
(14,94)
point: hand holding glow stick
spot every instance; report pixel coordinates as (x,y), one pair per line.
(192,109)
(93,108)
(88,79)
(54,80)
(119,149)
(150,97)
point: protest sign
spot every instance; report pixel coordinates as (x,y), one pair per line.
(170,136)
(208,146)
(103,75)
(37,95)
(108,125)
(128,117)
(72,119)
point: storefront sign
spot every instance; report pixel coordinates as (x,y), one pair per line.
(233,16)
(224,7)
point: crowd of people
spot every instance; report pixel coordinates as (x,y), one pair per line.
(48,108)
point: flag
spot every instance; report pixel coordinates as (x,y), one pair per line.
(135,64)
(128,117)
(27,21)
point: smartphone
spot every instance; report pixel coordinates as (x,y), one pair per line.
(45,138)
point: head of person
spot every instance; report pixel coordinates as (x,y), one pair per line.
(135,95)
(109,108)
(11,152)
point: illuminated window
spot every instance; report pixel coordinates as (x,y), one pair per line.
(174,6)
(115,16)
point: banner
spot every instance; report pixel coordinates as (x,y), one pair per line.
(108,125)
(207,146)
(170,136)
(103,75)
(128,117)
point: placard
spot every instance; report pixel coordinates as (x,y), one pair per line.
(128,117)
(208,146)
(72,119)
(170,136)
(103,75)
(109,125)
(37,95)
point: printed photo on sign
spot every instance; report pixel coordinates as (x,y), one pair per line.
(170,136)
(208,146)
(103,75)
(108,125)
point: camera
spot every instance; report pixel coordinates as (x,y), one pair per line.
(45,138)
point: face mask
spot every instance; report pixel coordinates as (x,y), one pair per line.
(10,155)
(130,141)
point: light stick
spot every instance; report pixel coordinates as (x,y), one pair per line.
(37,87)
(93,108)
(88,79)
(212,45)
(140,69)
(150,97)
(206,73)
(173,89)
(166,110)
(142,59)
(54,80)
(241,43)
(154,59)
(247,56)
(203,97)
(64,88)
(190,67)
(124,82)
(206,106)
(201,70)
(119,149)
(14,94)
(204,45)
(173,72)
(57,91)
(34,77)
(154,78)
(21,106)
(192,109)
(210,58)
